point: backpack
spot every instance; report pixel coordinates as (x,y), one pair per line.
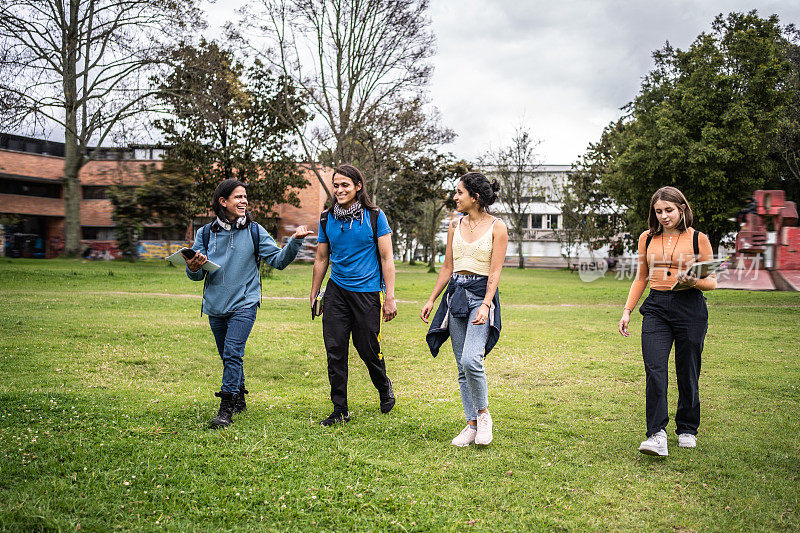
(205,233)
(323,223)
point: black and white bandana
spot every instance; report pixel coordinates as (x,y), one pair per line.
(348,215)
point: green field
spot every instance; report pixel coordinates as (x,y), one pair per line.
(108,374)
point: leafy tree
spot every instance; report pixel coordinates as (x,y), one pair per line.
(428,184)
(402,203)
(704,121)
(221,123)
(787,142)
(83,65)
(589,215)
(129,217)
(168,195)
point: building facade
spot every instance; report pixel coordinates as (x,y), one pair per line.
(543,219)
(32,203)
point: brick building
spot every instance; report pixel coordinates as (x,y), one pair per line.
(32,197)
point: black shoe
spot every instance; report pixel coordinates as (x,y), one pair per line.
(224,417)
(336,417)
(387,399)
(240,404)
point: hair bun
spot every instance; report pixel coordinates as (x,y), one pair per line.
(495,186)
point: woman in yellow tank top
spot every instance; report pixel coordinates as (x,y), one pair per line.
(469,313)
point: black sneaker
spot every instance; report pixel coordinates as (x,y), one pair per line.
(335,417)
(387,399)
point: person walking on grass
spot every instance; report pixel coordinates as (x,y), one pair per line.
(355,239)
(470,312)
(670,315)
(232,294)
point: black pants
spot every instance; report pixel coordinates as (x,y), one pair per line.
(680,317)
(359,313)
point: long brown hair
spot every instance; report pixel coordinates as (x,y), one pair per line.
(670,194)
(349,171)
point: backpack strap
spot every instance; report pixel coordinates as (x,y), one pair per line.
(374,223)
(323,224)
(205,234)
(254,235)
(696,244)
(647,243)
(256,240)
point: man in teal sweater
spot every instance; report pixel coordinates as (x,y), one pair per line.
(232,294)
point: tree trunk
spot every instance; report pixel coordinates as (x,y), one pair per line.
(73,158)
(519,250)
(715,239)
(432,259)
(72,198)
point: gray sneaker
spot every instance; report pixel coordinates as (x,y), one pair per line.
(687,440)
(656,444)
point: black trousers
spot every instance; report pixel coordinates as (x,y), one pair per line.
(359,313)
(679,317)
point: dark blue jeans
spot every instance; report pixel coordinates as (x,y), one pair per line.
(231,333)
(678,317)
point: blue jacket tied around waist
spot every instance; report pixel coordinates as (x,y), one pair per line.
(455,301)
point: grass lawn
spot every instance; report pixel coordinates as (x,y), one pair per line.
(108,374)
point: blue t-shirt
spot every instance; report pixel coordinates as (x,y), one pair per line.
(354,259)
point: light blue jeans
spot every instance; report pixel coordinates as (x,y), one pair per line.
(469,344)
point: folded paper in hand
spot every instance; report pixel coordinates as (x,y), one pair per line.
(179,259)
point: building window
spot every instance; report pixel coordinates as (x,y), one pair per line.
(95,192)
(552,221)
(30,188)
(92,233)
(533,198)
(536,221)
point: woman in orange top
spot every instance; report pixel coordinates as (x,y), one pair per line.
(670,316)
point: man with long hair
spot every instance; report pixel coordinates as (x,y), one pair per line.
(355,239)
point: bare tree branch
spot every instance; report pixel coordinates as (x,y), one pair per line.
(83,64)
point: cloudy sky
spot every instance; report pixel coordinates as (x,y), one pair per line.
(562,68)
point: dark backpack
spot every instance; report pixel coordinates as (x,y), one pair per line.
(205,233)
(323,223)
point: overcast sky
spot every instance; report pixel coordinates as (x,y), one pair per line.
(564,68)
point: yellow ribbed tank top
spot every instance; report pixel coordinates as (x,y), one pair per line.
(475,257)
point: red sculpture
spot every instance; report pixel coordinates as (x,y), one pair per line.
(776,260)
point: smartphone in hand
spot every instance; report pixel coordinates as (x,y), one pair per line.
(188,253)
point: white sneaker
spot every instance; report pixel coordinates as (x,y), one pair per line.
(484,435)
(466,437)
(687,440)
(656,444)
